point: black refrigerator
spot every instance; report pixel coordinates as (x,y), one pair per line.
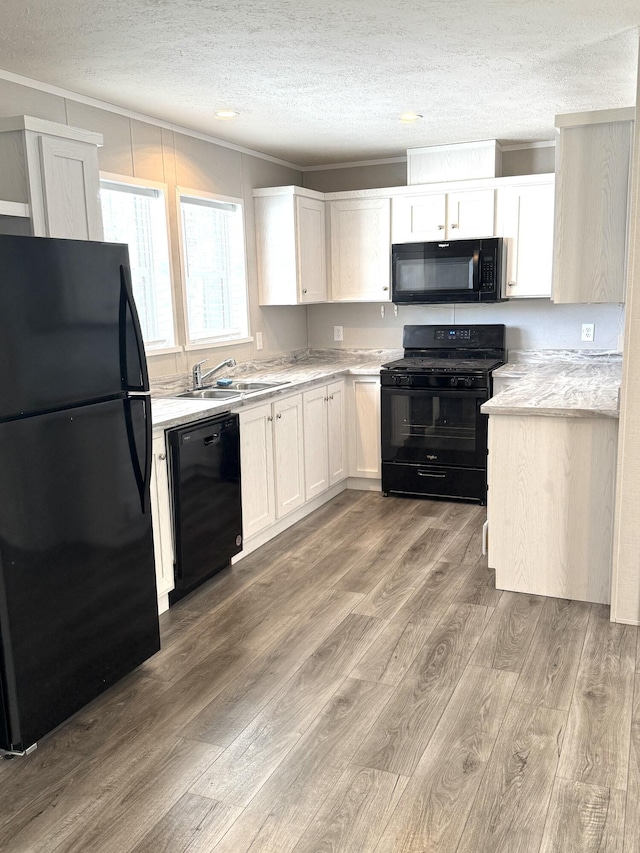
(78,606)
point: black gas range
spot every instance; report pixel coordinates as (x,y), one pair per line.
(434,437)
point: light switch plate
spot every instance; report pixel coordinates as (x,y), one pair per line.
(258,340)
(338,333)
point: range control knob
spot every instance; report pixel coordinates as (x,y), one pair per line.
(453,381)
(468,382)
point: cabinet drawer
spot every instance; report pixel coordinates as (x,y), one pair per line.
(431,481)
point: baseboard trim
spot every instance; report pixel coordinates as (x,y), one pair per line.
(282,524)
(364,484)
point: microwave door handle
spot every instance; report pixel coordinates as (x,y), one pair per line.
(476,270)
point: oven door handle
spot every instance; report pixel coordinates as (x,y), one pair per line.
(476,270)
(432,475)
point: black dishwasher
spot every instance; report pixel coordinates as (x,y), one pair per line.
(207,508)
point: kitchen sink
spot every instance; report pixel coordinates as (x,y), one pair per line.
(252,386)
(210,394)
(236,389)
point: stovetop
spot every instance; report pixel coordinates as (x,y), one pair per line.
(435,364)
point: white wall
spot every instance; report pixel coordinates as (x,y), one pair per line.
(531,323)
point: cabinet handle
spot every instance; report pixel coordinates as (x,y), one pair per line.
(162,456)
(304,289)
(331,396)
(269,418)
(279,415)
(511,284)
(385,287)
(454,225)
(326,399)
(440,227)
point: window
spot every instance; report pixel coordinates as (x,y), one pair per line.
(136,214)
(213,256)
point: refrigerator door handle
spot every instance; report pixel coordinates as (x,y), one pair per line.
(142,475)
(127,304)
(148,439)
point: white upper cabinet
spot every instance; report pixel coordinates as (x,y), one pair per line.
(593,164)
(421,218)
(471,214)
(526,213)
(360,231)
(53,169)
(291,246)
(441,215)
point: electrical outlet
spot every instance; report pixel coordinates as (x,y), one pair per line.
(338,333)
(258,340)
(588,332)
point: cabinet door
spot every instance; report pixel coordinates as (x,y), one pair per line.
(256,457)
(70,186)
(316,455)
(528,232)
(592,188)
(310,233)
(161,517)
(288,454)
(364,440)
(337,443)
(360,250)
(275,231)
(418,218)
(471,214)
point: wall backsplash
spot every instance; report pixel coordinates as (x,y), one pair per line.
(531,323)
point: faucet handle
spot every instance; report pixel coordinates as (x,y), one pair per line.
(196,373)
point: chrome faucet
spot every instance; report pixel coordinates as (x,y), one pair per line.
(199,376)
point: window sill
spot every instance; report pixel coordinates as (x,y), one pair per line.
(228,342)
(166,351)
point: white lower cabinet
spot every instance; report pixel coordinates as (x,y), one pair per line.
(288,451)
(324,438)
(162,524)
(550,505)
(272,462)
(364,427)
(256,466)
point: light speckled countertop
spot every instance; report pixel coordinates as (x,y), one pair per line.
(559,383)
(297,373)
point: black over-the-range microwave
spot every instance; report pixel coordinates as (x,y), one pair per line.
(447,271)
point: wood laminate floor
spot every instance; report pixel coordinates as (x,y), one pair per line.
(357,684)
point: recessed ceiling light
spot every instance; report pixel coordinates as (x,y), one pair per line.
(409,118)
(226,114)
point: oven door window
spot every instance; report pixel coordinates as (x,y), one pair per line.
(429,426)
(431,275)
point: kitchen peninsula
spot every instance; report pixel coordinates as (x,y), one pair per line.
(553,436)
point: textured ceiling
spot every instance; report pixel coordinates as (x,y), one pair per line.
(320,82)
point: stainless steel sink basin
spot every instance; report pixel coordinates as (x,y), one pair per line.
(210,394)
(252,386)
